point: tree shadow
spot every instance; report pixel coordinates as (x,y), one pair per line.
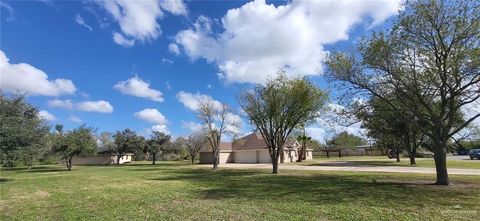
(4,180)
(314,188)
(356,163)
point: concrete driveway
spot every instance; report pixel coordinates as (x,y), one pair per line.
(389,169)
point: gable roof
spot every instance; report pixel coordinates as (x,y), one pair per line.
(253,141)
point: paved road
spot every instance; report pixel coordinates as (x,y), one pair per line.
(389,169)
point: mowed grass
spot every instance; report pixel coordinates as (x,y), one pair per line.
(384,161)
(178,191)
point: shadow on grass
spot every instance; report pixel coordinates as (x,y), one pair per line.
(4,180)
(357,163)
(314,188)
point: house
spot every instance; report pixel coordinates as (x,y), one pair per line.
(252,149)
(105,157)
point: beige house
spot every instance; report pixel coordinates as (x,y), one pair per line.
(252,149)
(102,158)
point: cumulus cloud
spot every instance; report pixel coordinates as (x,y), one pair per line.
(121,40)
(155,117)
(176,7)
(57,103)
(43,114)
(75,119)
(191,101)
(81,22)
(161,128)
(138,20)
(100,106)
(191,126)
(172,47)
(259,39)
(25,78)
(139,88)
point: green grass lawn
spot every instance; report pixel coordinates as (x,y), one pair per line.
(178,191)
(384,161)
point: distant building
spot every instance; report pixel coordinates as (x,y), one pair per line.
(105,157)
(252,149)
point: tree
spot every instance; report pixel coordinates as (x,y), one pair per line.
(217,121)
(387,126)
(278,107)
(105,140)
(156,144)
(194,143)
(429,61)
(304,139)
(344,140)
(79,141)
(125,141)
(23,133)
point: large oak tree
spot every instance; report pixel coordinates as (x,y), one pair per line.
(429,61)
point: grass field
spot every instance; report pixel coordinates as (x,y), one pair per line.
(178,191)
(384,161)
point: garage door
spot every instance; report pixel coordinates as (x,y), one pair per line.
(264,156)
(245,157)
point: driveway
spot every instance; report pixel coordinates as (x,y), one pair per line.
(389,169)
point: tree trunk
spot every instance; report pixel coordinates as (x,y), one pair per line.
(304,153)
(412,159)
(397,152)
(193,158)
(300,154)
(215,160)
(153,159)
(440,157)
(340,153)
(69,164)
(118,159)
(275,166)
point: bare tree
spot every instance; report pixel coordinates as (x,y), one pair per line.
(217,120)
(194,143)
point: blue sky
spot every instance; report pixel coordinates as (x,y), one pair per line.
(142,64)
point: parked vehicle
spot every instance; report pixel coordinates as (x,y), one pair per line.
(474,153)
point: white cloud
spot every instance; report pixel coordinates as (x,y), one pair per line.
(160,128)
(57,103)
(155,117)
(152,116)
(121,40)
(209,86)
(172,47)
(137,19)
(81,22)
(167,61)
(25,78)
(191,101)
(193,127)
(100,106)
(75,119)
(43,114)
(176,7)
(139,88)
(259,39)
